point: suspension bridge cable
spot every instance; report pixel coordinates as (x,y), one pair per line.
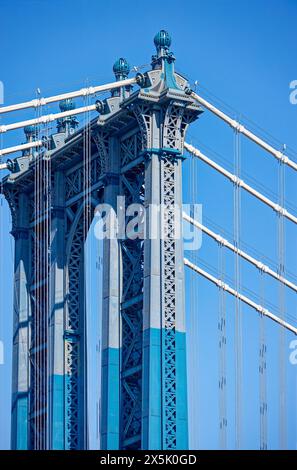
(254,127)
(2,297)
(247,246)
(281,295)
(262,368)
(222,344)
(38,102)
(238,181)
(48,261)
(241,129)
(194,329)
(238,312)
(245,290)
(46,118)
(85,242)
(38,143)
(258,264)
(18,148)
(243,298)
(245,175)
(37,296)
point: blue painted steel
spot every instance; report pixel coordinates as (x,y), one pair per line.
(162,39)
(121,68)
(169,74)
(152,419)
(152,390)
(22,423)
(30,132)
(182,440)
(58,441)
(70,123)
(110,432)
(137,149)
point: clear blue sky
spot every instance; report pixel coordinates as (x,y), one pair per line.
(245,54)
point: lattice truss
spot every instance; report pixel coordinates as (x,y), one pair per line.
(39,216)
(41,211)
(75,178)
(132,187)
(73,337)
(135,148)
(176,121)
(143,115)
(130,148)
(169,303)
(78,220)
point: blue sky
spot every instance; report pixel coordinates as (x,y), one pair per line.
(242,53)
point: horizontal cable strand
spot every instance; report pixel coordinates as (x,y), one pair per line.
(277,208)
(18,148)
(240,128)
(261,266)
(46,118)
(243,298)
(72,94)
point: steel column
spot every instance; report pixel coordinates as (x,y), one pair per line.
(56,322)
(21,329)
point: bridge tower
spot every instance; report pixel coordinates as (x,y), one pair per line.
(133,164)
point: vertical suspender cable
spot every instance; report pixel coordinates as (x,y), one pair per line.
(48,215)
(33,246)
(262,368)
(282,332)
(89,208)
(43,313)
(238,320)
(84,222)
(2,250)
(190,314)
(194,314)
(37,326)
(86,225)
(40,290)
(222,353)
(39,299)
(35,283)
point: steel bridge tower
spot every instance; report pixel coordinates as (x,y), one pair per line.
(136,152)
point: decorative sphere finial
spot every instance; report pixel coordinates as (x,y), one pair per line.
(121,68)
(66,105)
(68,123)
(30,131)
(162,39)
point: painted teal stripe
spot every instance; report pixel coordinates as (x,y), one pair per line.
(182,438)
(169,75)
(58,412)
(152,387)
(110,409)
(153,401)
(22,423)
(153,425)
